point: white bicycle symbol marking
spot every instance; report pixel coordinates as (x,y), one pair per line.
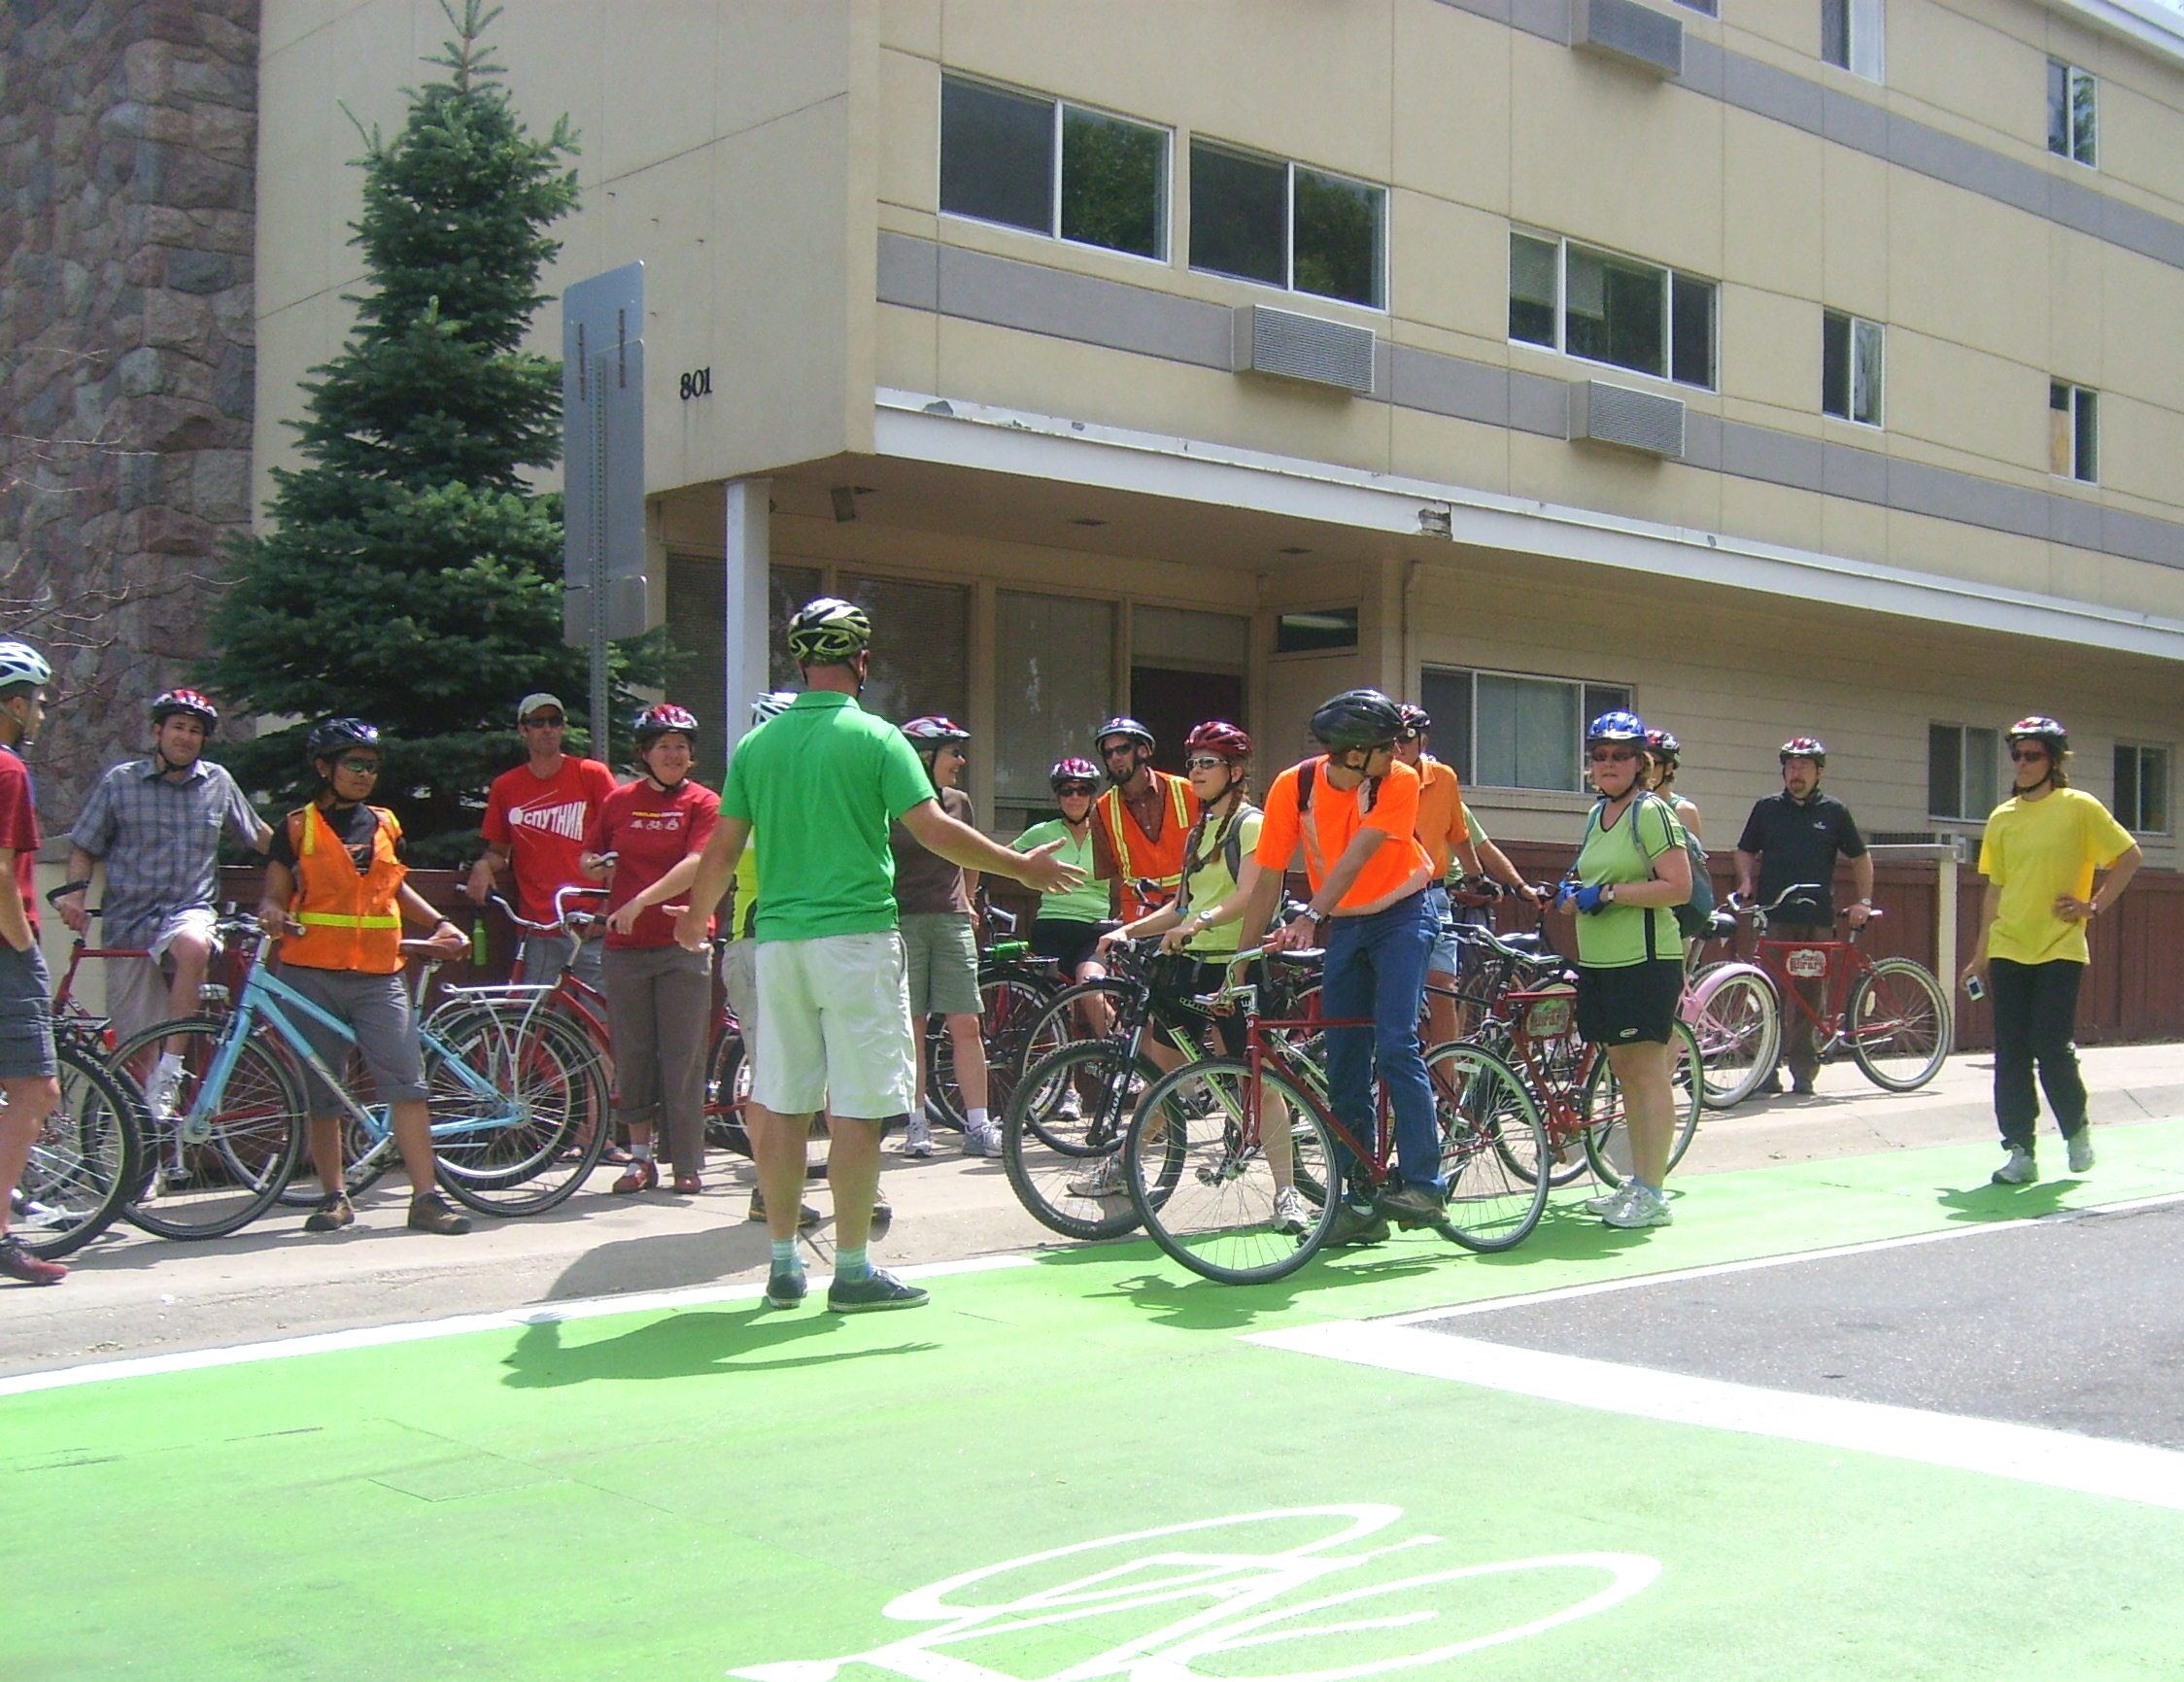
(1222,1600)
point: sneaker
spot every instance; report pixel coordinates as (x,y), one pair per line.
(165,1089)
(1412,1206)
(981,1141)
(1292,1214)
(883,1215)
(917,1138)
(1642,1207)
(333,1213)
(1105,1181)
(1607,1200)
(806,1217)
(2080,1146)
(1355,1225)
(16,1262)
(2018,1170)
(877,1290)
(785,1286)
(29,1211)
(1800,1088)
(433,1213)
(640,1176)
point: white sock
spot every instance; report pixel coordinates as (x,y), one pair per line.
(977,1119)
(167,1068)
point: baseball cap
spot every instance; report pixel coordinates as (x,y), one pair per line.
(531,703)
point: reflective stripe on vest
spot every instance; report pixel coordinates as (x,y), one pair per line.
(1173,834)
(350,919)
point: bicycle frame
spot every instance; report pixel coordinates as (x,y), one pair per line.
(1785,962)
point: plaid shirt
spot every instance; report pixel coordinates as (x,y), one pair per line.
(160,840)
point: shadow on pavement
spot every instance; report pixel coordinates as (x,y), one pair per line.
(687,1345)
(1987,1203)
(661,1262)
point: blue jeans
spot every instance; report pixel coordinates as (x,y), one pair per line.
(1376,967)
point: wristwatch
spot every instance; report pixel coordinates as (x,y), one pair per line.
(1205,919)
(1608,893)
(1318,917)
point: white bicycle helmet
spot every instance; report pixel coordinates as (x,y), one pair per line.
(19,663)
(772,705)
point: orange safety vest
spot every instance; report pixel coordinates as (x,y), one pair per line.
(1136,855)
(350,921)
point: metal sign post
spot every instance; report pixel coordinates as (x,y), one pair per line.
(602,405)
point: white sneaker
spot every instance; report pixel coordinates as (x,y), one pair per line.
(917,1138)
(1607,1200)
(2080,1146)
(981,1141)
(1642,1207)
(2018,1170)
(1292,1214)
(165,1089)
(1105,1181)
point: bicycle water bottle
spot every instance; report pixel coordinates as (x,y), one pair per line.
(478,942)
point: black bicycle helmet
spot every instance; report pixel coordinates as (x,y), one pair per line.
(1417,721)
(1804,747)
(2041,728)
(1357,718)
(1663,746)
(330,736)
(1126,726)
(186,701)
(655,722)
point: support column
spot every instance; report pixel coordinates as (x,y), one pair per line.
(749,553)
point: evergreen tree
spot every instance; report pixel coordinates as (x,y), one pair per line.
(411,577)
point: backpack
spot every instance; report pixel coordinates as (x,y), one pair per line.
(1694,917)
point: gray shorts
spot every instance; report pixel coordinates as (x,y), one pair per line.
(26,1016)
(377,1010)
(940,955)
(139,990)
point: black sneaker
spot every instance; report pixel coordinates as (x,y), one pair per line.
(1353,1225)
(1412,1206)
(877,1290)
(333,1214)
(433,1213)
(785,1286)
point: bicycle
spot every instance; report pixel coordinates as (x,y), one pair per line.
(1014,988)
(1205,1186)
(508,1112)
(1736,1013)
(1894,1019)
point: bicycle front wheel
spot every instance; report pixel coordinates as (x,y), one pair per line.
(1897,1022)
(1737,1021)
(1208,1159)
(519,1109)
(214,1162)
(727,1086)
(82,1161)
(1495,1162)
(1066,1167)
(1606,1135)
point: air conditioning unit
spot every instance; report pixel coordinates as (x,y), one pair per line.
(1629,33)
(1290,345)
(1630,420)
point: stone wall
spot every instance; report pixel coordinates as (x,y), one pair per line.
(128,141)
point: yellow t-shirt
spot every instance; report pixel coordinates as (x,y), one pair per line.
(2036,849)
(746,902)
(1212,882)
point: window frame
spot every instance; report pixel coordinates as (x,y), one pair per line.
(1962,731)
(1670,275)
(1865,38)
(1853,325)
(1467,763)
(2074,80)
(1058,107)
(2134,821)
(1381,245)
(2083,406)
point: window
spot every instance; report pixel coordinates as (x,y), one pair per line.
(1062,650)
(1286,225)
(1610,309)
(2071,118)
(1850,36)
(1504,730)
(921,646)
(2142,788)
(1850,368)
(2073,431)
(697,637)
(1316,631)
(1962,772)
(1053,168)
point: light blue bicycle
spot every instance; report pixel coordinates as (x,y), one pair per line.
(519,1118)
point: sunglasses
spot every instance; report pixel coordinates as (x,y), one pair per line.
(1078,788)
(1205,761)
(1610,755)
(1118,748)
(361,767)
(557,722)
(2027,754)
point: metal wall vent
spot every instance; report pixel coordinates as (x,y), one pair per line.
(1631,420)
(1629,33)
(1298,347)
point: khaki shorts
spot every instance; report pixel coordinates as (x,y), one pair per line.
(833,1028)
(940,955)
(138,989)
(739,980)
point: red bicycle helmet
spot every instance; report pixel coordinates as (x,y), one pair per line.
(655,722)
(1663,744)
(1068,771)
(188,701)
(1219,736)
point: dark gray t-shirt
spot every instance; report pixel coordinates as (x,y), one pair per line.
(925,881)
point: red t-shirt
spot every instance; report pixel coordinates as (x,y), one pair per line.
(652,833)
(19,828)
(542,822)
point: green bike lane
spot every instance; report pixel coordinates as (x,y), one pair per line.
(1118,1480)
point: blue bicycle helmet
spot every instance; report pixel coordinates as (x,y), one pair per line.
(1616,727)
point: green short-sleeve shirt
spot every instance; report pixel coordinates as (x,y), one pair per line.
(822,783)
(1613,937)
(1082,905)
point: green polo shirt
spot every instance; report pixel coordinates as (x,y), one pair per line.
(822,783)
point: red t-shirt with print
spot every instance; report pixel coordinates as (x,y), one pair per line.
(541,821)
(652,832)
(19,828)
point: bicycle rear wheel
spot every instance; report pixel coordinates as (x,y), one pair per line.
(1897,1022)
(215,1164)
(1607,1138)
(1008,1005)
(1066,1169)
(1494,1157)
(728,1086)
(1205,1185)
(82,1161)
(519,1109)
(1737,1020)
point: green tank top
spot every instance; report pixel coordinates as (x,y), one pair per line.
(1615,935)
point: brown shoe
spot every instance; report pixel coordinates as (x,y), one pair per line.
(433,1213)
(688,1184)
(641,1176)
(331,1215)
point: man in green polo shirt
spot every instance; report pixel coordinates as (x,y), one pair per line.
(823,782)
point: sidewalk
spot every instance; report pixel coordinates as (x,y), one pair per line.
(130,1295)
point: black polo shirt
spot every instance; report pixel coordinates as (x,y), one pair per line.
(1798,840)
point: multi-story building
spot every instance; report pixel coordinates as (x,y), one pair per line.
(1811,367)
